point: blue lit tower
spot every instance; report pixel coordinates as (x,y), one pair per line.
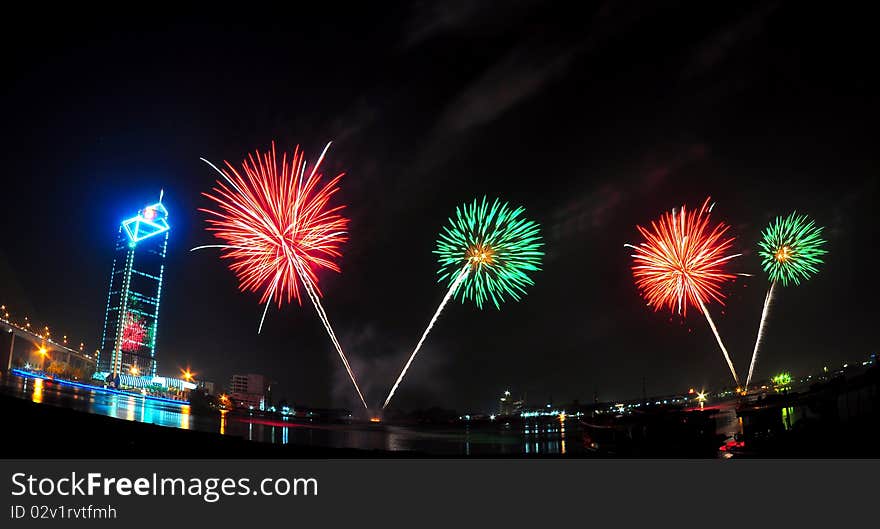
(128,343)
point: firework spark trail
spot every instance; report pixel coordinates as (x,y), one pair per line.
(322,314)
(791,250)
(307,284)
(266,309)
(279,229)
(720,343)
(461,277)
(764,313)
(682,262)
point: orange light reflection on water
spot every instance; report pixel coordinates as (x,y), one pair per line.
(184,417)
(38,391)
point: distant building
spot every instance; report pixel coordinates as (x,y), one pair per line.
(128,343)
(507,405)
(207,385)
(248,391)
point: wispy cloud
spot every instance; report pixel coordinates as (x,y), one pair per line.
(723,44)
(431,19)
(594,209)
(519,75)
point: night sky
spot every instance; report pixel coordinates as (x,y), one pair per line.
(594,118)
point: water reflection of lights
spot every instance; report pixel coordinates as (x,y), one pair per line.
(130,405)
(38,391)
(562,434)
(184,417)
(223,422)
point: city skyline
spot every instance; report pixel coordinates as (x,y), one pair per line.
(592,132)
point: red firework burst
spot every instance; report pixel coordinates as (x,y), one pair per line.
(682,260)
(275,219)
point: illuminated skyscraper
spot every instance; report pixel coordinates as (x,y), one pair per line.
(128,343)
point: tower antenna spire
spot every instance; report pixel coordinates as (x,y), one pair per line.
(161,194)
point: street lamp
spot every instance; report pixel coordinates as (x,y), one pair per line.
(43,353)
(134,370)
(187,375)
(701,398)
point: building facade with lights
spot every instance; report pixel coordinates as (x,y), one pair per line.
(131,321)
(248,391)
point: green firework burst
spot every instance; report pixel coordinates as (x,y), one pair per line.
(791,249)
(501,246)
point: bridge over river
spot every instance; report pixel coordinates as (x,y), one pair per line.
(19,345)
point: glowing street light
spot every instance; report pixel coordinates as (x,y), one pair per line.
(43,352)
(701,398)
(187,374)
(134,370)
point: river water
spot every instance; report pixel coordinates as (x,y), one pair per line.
(562,437)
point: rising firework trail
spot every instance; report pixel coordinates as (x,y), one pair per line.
(449,293)
(682,262)
(764,312)
(791,251)
(277,229)
(486,253)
